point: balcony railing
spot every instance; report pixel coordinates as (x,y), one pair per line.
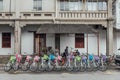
(61,15)
(65,15)
(37,15)
(83,15)
(7,15)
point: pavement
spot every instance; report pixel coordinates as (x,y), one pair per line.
(113,73)
(98,75)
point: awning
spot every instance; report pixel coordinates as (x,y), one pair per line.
(64,28)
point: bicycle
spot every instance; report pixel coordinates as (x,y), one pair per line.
(9,65)
(17,65)
(102,63)
(27,63)
(35,63)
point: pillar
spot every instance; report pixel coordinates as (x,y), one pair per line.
(109,41)
(109,45)
(17,38)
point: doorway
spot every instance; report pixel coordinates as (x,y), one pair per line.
(40,43)
(57,41)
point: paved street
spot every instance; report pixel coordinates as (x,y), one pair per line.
(19,75)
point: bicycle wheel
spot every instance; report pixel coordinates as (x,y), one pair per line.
(69,68)
(25,66)
(83,67)
(76,69)
(7,67)
(15,66)
(33,67)
(89,68)
(95,67)
(49,68)
(41,67)
(103,67)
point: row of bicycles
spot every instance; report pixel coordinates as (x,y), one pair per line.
(53,62)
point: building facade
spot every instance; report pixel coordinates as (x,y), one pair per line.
(86,25)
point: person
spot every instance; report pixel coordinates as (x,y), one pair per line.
(66,51)
(50,50)
(78,53)
(65,54)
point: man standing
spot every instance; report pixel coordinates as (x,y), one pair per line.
(65,54)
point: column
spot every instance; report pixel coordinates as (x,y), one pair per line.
(17,37)
(109,43)
(17,31)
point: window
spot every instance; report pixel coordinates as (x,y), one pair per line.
(96,5)
(6,40)
(70,5)
(91,4)
(79,40)
(102,5)
(37,5)
(64,5)
(1,4)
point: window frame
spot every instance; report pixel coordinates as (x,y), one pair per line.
(4,43)
(81,38)
(1,7)
(36,5)
(66,5)
(97,5)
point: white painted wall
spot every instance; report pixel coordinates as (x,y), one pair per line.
(92,44)
(102,42)
(50,40)
(117,25)
(29,7)
(26,5)
(48,6)
(6,5)
(66,40)
(27,41)
(69,40)
(5,51)
(118,41)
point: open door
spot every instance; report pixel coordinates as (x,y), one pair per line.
(40,42)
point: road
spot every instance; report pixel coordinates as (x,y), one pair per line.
(107,75)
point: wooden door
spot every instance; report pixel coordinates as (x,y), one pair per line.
(40,42)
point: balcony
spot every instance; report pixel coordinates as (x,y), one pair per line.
(83,15)
(7,15)
(65,17)
(37,15)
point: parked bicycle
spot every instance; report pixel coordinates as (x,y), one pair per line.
(28,61)
(9,65)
